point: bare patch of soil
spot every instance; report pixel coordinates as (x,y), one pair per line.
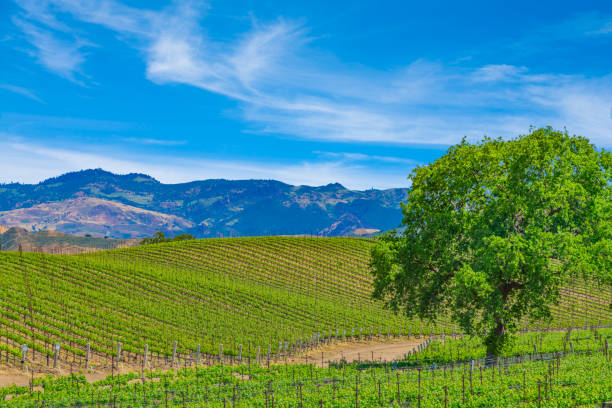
(376,350)
(16,376)
(242,377)
(13,376)
(362,351)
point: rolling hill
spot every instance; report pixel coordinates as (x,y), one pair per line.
(56,242)
(207,208)
(96,217)
(253,292)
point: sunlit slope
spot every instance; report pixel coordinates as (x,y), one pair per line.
(249,291)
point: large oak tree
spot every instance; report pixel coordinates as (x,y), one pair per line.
(493,231)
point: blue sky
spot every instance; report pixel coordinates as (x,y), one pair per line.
(304,92)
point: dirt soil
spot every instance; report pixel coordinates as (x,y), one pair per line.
(15,376)
(349,351)
(362,351)
(10,376)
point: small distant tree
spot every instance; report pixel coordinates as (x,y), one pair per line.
(160,237)
(155,239)
(493,231)
(183,237)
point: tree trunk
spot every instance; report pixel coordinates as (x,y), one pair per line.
(497,337)
(494,341)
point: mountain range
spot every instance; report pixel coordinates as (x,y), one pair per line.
(102,204)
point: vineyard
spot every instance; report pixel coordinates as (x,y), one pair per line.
(554,379)
(263,300)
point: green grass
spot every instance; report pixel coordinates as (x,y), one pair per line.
(253,292)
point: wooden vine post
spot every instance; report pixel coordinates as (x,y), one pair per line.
(87,355)
(56,354)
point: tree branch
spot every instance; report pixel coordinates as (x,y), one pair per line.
(518,220)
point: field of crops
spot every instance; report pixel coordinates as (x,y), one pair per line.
(553,379)
(235,297)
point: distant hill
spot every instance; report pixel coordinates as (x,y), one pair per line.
(207,208)
(94,216)
(56,242)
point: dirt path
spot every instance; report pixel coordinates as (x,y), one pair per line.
(362,351)
(349,351)
(14,376)
(9,376)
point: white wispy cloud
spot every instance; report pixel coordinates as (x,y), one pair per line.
(14,121)
(63,57)
(362,157)
(283,85)
(155,142)
(575,29)
(21,91)
(581,25)
(606,28)
(498,73)
(30,162)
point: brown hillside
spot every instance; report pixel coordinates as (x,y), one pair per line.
(96,217)
(57,242)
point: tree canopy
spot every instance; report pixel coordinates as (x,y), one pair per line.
(160,237)
(494,229)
